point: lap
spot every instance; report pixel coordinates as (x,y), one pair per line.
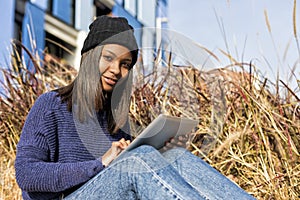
(133,171)
(140,172)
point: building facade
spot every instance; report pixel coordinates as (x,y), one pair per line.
(59,27)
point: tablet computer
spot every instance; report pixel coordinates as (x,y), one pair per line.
(161,130)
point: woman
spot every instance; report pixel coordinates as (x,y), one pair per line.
(72,135)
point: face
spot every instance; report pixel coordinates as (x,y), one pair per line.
(114,64)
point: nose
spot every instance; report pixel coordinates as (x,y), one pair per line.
(114,67)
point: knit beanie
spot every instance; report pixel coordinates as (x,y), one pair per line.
(111,30)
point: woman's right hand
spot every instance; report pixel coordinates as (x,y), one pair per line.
(115,149)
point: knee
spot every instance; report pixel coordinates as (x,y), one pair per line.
(178,154)
(144,149)
(178,150)
(144,158)
(175,151)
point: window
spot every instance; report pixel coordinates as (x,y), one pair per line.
(131,6)
(63,10)
(120,2)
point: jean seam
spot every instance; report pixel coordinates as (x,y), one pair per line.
(200,193)
(141,161)
(162,182)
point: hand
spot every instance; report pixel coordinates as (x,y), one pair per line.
(180,141)
(115,149)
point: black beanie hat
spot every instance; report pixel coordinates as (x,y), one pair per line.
(111,30)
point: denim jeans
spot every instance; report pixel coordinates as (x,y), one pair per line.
(145,173)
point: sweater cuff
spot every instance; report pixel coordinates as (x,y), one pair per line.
(98,168)
(100,160)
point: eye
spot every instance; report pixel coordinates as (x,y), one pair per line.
(126,65)
(108,58)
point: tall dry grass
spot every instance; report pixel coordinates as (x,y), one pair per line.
(253,135)
(248,133)
(20,88)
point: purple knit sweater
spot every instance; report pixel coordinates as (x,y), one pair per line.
(52,160)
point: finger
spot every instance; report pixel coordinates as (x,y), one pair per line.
(115,148)
(122,140)
(183,138)
(123,143)
(115,144)
(180,144)
(173,140)
(164,148)
(169,145)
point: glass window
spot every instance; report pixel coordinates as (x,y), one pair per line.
(63,10)
(40,3)
(120,2)
(146,12)
(130,6)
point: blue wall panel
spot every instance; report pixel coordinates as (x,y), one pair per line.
(33,34)
(62,9)
(7,15)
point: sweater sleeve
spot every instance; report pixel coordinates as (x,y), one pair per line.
(34,171)
(125,131)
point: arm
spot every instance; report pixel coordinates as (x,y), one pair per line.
(35,169)
(35,174)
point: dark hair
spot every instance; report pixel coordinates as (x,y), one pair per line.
(85,92)
(84,96)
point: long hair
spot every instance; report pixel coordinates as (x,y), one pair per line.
(85,97)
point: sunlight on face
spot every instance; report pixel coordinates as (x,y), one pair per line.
(114,64)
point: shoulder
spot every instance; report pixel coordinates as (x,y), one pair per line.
(41,114)
(47,100)
(44,104)
(50,96)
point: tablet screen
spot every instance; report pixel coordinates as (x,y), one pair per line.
(162,129)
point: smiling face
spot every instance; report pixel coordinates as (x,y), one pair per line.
(114,64)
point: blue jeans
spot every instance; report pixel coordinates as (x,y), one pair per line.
(145,173)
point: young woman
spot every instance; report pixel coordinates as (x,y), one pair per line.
(72,135)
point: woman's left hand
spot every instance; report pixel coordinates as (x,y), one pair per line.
(180,141)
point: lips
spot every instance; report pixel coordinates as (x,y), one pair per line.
(110,81)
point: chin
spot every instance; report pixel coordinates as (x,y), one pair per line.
(108,89)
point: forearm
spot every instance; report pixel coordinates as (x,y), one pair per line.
(39,176)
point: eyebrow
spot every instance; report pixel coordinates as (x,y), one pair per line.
(125,59)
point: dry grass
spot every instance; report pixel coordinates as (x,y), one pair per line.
(21,88)
(246,132)
(249,134)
